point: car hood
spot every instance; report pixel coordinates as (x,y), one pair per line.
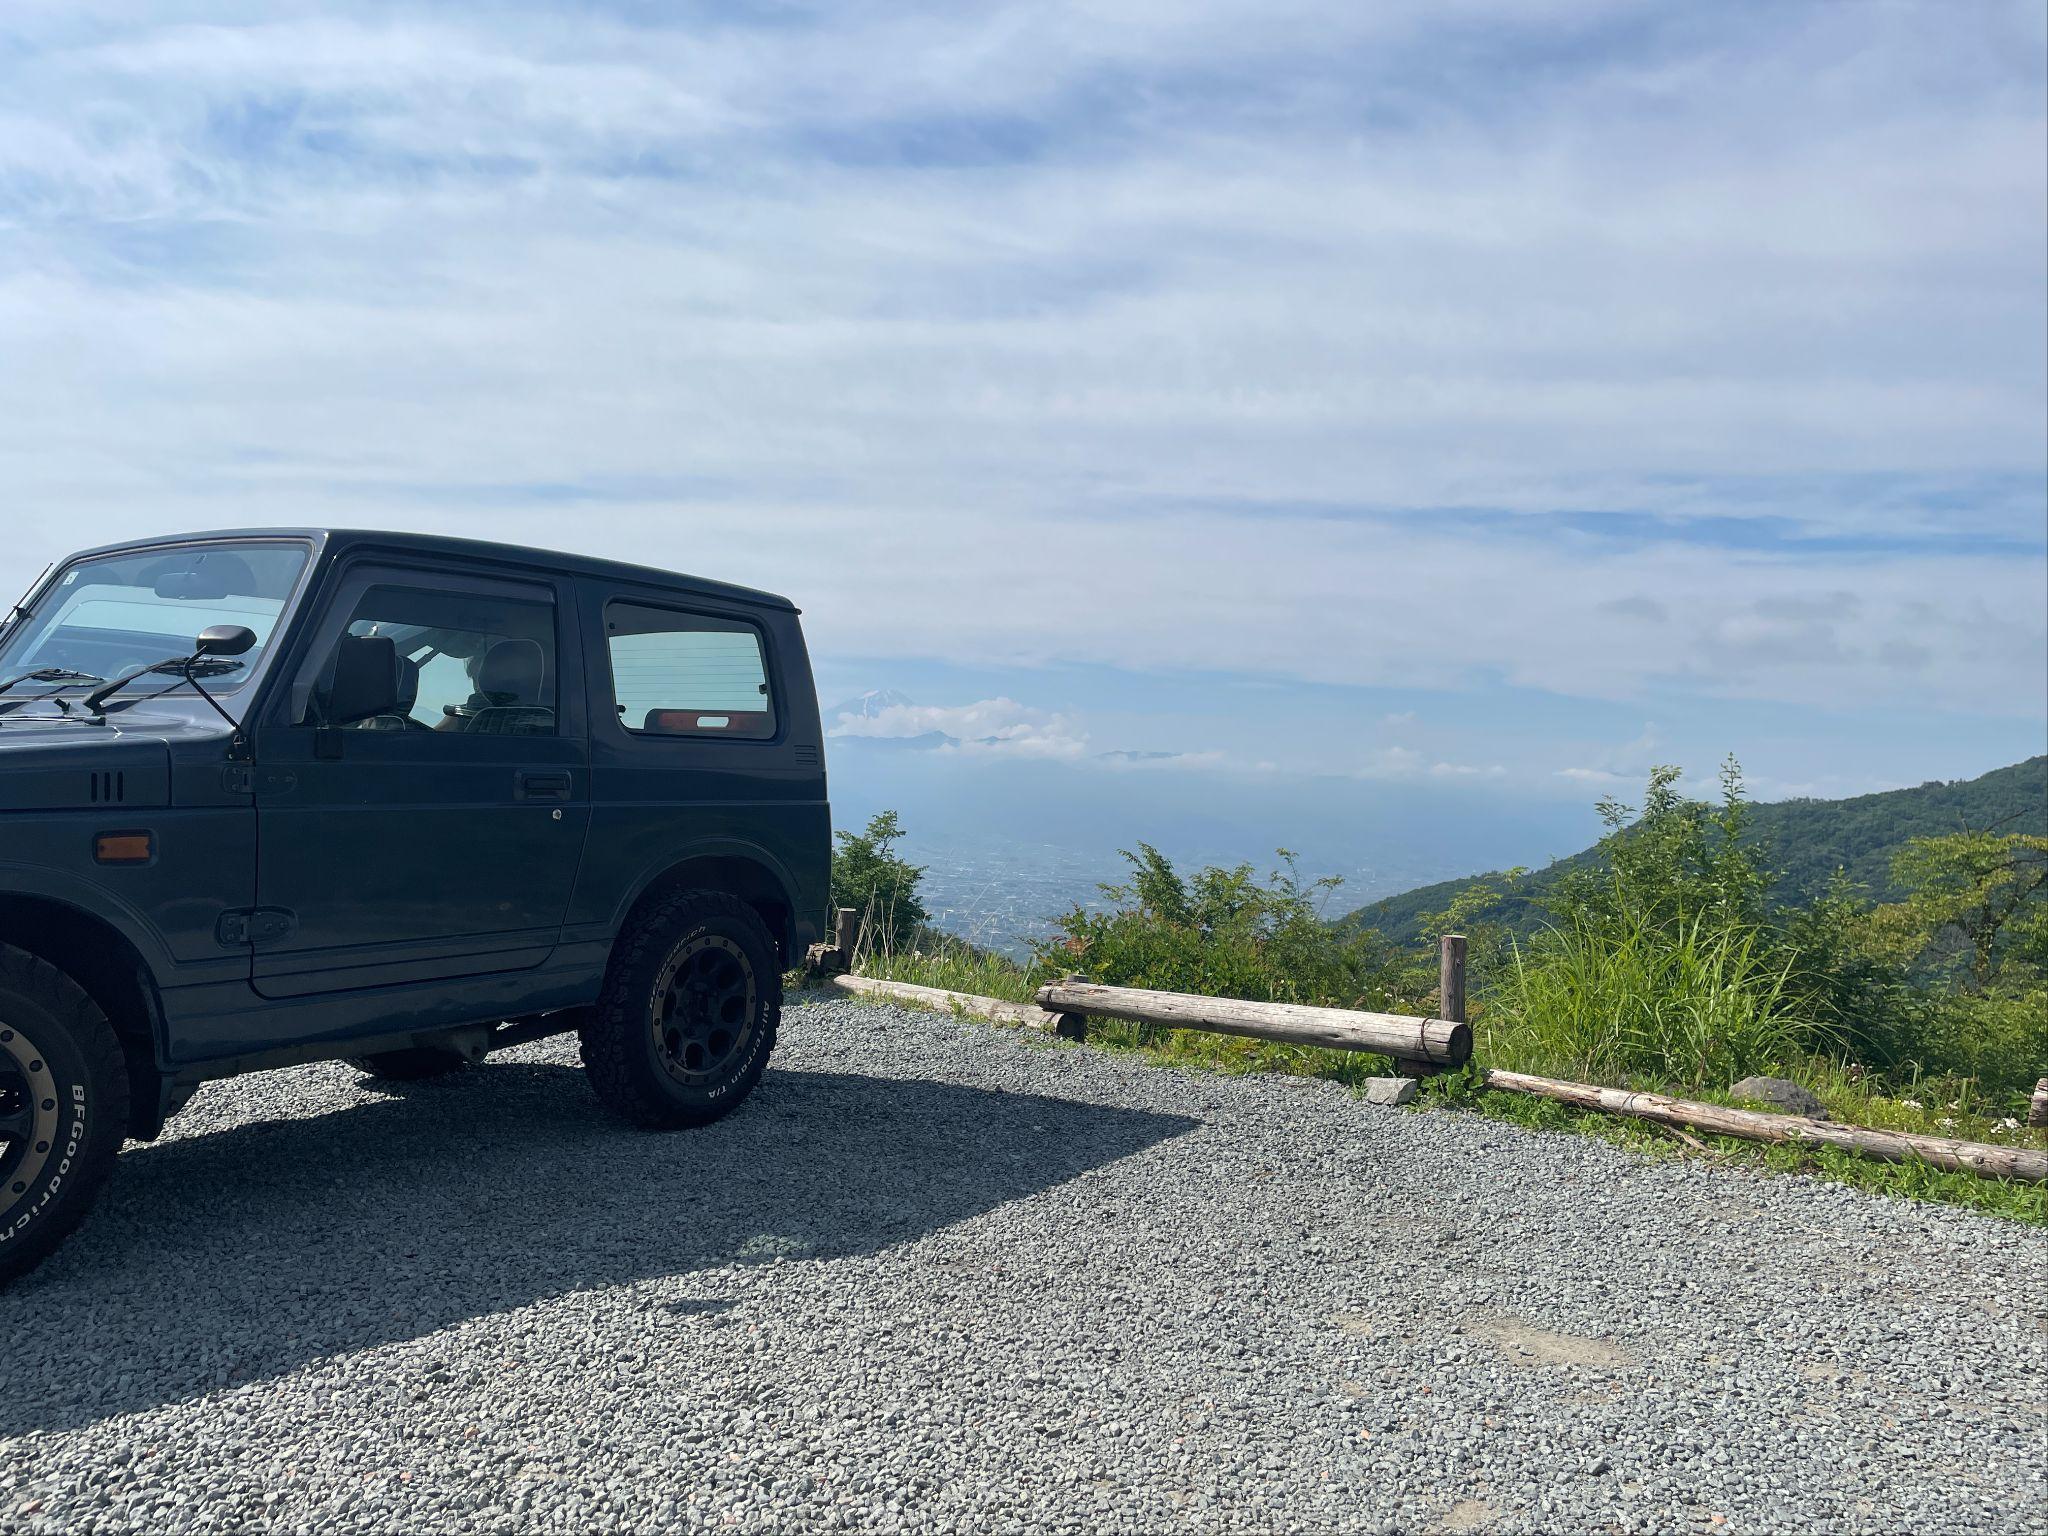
(53,764)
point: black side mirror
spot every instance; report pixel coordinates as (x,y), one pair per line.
(365,681)
(223,640)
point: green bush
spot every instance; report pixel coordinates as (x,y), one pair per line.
(1664,962)
(1663,965)
(869,876)
(1225,933)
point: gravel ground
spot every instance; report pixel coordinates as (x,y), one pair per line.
(937,1276)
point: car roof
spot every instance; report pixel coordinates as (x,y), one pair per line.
(563,562)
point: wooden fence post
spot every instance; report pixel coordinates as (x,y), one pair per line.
(1450,998)
(1450,978)
(1072,1026)
(2037,1111)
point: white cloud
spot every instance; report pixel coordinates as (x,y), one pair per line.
(1390,763)
(988,727)
(1162,762)
(1407,763)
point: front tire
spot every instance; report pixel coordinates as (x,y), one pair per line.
(63,1107)
(689,1012)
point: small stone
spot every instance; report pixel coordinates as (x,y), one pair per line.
(1782,1094)
(1389,1090)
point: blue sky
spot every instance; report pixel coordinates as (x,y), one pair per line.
(1490,394)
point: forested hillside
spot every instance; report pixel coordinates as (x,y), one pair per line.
(1805,841)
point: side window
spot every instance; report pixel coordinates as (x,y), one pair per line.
(688,674)
(464,662)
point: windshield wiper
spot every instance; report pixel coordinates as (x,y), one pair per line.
(187,669)
(51,675)
(63,677)
(210,657)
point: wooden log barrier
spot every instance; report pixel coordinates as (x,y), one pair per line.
(1437,1042)
(2028,1164)
(1027,1014)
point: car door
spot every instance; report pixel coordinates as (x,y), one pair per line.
(441,838)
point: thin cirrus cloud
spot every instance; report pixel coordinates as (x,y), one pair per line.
(1682,357)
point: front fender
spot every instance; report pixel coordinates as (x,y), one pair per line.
(95,902)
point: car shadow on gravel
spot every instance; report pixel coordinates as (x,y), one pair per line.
(247,1252)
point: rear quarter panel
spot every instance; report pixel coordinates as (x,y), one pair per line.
(656,801)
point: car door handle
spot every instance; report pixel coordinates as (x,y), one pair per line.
(543,786)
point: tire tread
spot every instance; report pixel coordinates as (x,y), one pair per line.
(107,1067)
(609,1040)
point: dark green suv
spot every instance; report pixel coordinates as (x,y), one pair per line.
(276,797)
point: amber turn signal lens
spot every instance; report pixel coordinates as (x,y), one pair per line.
(124,847)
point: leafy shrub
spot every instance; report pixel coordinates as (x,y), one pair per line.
(1663,964)
(1665,961)
(1972,933)
(1225,933)
(869,876)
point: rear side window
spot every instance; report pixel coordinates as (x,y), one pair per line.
(688,674)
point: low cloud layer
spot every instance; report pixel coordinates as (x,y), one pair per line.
(991,727)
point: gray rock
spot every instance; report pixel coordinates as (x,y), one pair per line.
(1389,1090)
(1782,1094)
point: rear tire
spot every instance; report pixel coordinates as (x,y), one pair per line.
(63,1107)
(688,1015)
(411,1064)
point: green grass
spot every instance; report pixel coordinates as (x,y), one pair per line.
(1692,1008)
(1915,1181)
(955,967)
(1724,989)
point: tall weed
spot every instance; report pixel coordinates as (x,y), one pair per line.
(1611,1003)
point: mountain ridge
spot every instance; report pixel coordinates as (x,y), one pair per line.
(1808,840)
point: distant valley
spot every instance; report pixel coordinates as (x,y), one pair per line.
(1009,842)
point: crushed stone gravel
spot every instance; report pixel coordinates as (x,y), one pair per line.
(939,1276)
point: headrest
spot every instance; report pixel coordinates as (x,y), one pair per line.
(366,676)
(511,671)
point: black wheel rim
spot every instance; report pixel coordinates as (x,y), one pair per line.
(704,1004)
(28,1113)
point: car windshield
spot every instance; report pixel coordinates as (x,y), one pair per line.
(108,615)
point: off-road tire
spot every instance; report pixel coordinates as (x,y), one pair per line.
(641,1071)
(64,1088)
(411,1064)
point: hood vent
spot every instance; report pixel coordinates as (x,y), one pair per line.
(109,788)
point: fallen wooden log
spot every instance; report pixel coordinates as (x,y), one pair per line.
(1028,1014)
(1434,1042)
(2027,1164)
